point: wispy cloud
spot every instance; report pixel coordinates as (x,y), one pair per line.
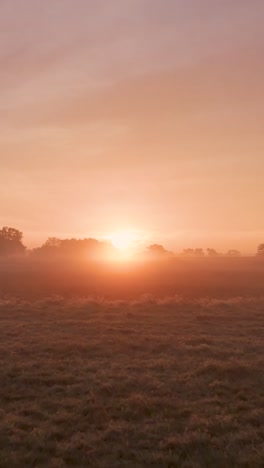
(119,95)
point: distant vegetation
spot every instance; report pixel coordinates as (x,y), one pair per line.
(11,244)
(91,248)
(260,251)
(80,267)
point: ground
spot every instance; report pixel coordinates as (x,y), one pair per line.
(160,383)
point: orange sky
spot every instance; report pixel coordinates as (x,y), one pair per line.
(143,114)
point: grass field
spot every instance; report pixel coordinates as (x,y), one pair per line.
(188,277)
(162,383)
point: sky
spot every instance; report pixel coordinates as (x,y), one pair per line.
(133,114)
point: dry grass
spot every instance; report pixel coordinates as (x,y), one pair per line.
(132,384)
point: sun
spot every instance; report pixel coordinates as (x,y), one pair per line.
(123,240)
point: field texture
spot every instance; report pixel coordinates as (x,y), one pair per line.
(160,383)
(188,277)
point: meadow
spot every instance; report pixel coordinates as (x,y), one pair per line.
(78,277)
(160,382)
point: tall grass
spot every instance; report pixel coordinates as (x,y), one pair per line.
(149,381)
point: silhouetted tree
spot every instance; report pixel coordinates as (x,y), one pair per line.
(157,250)
(188,252)
(260,251)
(11,241)
(212,253)
(193,253)
(233,253)
(199,253)
(84,248)
(53,242)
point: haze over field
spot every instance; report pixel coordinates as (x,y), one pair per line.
(133,114)
(131,233)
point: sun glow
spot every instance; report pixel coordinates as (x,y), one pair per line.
(123,240)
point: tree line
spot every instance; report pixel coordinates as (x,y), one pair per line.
(11,244)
